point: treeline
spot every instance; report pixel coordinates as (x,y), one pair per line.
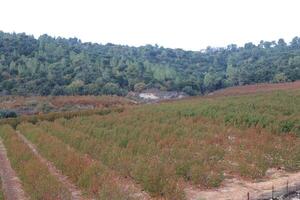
(59,66)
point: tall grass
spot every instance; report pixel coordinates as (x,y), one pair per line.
(92,177)
(190,140)
(34,175)
(158,182)
(278,112)
(1,191)
(162,147)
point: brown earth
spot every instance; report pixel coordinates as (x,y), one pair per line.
(237,189)
(125,183)
(75,192)
(10,182)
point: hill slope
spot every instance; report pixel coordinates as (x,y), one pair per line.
(61,66)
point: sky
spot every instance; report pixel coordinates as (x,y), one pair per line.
(186,24)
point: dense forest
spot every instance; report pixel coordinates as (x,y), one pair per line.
(59,66)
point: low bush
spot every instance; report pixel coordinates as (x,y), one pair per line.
(7,114)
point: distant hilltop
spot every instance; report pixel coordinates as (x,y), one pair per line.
(59,66)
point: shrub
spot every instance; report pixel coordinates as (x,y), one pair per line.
(7,114)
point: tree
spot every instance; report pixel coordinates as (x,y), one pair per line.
(111,89)
(280,78)
(189,90)
(139,87)
(62,66)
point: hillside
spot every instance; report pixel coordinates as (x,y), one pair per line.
(59,66)
(170,150)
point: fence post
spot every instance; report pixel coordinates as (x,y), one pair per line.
(248,196)
(272,191)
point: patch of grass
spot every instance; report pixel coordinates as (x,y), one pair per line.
(35,178)
(1,191)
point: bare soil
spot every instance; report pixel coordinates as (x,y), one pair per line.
(125,183)
(76,194)
(237,189)
(10,182)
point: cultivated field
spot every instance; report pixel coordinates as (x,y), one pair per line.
(158,151)
(257,88)
(41,104)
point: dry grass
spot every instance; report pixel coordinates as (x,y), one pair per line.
(256,88)
(35,178)
(38,104)
(89,175)
(163,147)
(1,191)
(201,141)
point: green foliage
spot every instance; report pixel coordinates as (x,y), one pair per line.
(139,87)
(1,192)
(59,66)
(189,90)
(280,78)
(7,114)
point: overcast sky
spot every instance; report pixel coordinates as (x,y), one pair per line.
(187,24)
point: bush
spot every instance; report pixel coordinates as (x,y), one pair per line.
(7,114)
(189,90)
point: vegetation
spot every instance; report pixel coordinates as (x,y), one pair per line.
(200,141)
(34,175)
(52,116)
(7,114)
(164,147)
(45,104)
(91,176)
(1,191)
(59,66)
(278,112)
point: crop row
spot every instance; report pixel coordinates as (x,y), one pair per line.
(159,149)
(35,178)
(278,112)
(89,175)
(155,178)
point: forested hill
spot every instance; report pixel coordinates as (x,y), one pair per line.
(58,66)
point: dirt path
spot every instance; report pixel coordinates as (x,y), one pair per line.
(135,191)
(235,189)
(10,182)
(75,192)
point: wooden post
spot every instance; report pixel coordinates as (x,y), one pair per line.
(287,186)
(248,196)
(272,191)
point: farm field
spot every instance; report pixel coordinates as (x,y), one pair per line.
(35,178)
(256,88)
(158,150)
(45,104)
